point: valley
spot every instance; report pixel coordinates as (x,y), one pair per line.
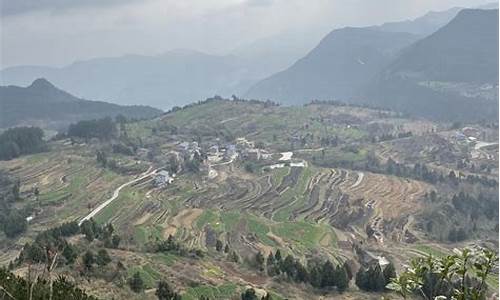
(325,181)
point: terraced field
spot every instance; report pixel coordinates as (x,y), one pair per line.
(69,183)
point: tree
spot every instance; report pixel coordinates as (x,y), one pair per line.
(277,256)
(103,257)
(226,249)
(288,266)
(328,274)
(136,283)
(460,276)
(69,254)
(115,241)
(14,224)
(88,260)
(348,270)
(272,270)
(165,292)
(249,294)
(234,257)
(259,261)
(342,281)
(389,273)
(87,229)
(218,245)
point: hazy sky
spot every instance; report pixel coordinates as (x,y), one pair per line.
(57,32)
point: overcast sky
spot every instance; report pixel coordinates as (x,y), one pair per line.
(58,32)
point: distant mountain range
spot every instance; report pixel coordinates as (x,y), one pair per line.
(175,78)
(42,104)
(348,64)
(450,74)
(343,62)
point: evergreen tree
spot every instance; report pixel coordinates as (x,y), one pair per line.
(69,254)
(342,279)
(249,294)
(136,283)
(315,276)
(272,270)
(259,261)
(218,245)
(226,249)
(288,266)
(389,273)
(348,270)
(277,256)
(103,257)
(328,274)
(165,292)
(88,259)
(115,241)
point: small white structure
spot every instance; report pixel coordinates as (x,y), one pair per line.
(163,178)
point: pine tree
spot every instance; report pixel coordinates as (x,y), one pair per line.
(136,283)
(389,273)
(277,256)
(315,276)
(218,245)
(328,274)
(288,266)
(259,261)
(69,254)
(226,249)
(165,292)
(362,279)
(88,260)
(348,270)
(342,281)
(249,294)
(103,257)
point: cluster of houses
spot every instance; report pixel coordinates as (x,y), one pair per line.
(218,152)
(163,178)
(468,134)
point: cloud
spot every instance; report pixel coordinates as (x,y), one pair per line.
(58,32)
(16,7)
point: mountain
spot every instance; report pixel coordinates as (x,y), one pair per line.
(344,60)
(44,105)
(424,25)
(172,79)
(450,74)
(277,52)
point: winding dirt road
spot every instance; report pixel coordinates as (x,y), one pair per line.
(116,193)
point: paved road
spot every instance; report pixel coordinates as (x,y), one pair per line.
(116,193)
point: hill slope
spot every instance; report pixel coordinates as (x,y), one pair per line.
(452,73)
(44,105)
(342,62)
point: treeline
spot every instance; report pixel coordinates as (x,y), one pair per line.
(267,103)
(16,287)
(324,275)
(18,141)
(12,220)
(54,240)
(375,279)
(170,245)
(467,213)
(102,129)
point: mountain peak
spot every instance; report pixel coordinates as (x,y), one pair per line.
(41,83)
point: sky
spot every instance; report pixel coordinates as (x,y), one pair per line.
(59,32)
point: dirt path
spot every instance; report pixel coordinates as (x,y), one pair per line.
(116,193)
(361,175)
